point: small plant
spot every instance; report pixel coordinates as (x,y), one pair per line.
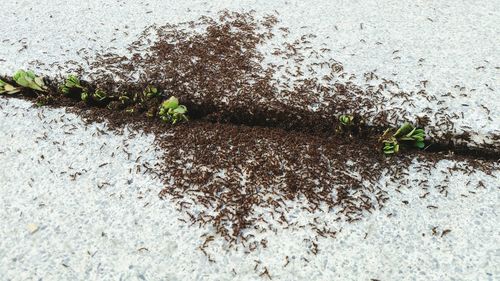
(346,122)
(172,111)
(8,88)
(71,82)
(407,133)
(99,95)
(85,96)
(73,87)
(391,146)
(28,79)
(151,92)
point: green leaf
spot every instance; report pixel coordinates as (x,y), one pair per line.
(411,132)
(150,91)
(420,144)
(418,138)
(29,80)
(85,96)
(172,111)
(346,120)
(20,78)
(389,149)
(73,82)
(99,95)
(404,129)
(30,74)
(181,109)
(172,103)
(420,131)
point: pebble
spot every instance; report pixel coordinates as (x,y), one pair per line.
(32,228)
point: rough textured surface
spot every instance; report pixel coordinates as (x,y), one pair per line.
(456,40)
(123,230)
(60,225)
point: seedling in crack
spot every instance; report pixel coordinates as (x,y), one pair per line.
(409,133)
(28,79)
(8,88)
(346,122)
(151,92)
(172,111)
(72,82)
(391,144)
(99,95)
(406,134)
(85,96)
(73,88)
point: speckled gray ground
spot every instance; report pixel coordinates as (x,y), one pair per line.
(450,44)
(58,225)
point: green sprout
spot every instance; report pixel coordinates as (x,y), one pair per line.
(391,145)
(172,111)
(85,96)
(151,91)
(346,120)
(407,133)
(8,88)
(71,82)
(99,95)
(28,79)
